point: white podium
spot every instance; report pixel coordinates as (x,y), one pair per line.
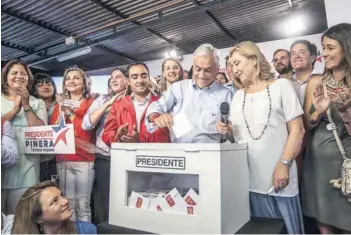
(218,171)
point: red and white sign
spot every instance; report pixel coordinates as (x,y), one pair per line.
(58,139)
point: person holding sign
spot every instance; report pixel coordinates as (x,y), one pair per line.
(95,119)
(44,88)
(76,171)
(22,110)
(125,123)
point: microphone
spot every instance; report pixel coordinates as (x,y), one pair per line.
(224,118)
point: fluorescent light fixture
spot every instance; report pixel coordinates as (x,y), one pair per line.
(295,25)
(171,53)
(74,54)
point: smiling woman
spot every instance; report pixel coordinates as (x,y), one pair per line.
(22,110)
(43,209)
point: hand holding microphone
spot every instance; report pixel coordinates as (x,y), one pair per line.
(224,126)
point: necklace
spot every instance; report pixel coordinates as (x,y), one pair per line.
(331,82)
(269,115)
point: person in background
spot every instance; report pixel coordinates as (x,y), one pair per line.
(9,147)
(282,64)
(44,88)
(95,118)
(76,171)
(172,71)
(125,122)
(221,78)
(267,115)
(43,209)
(186,74)
(22,110)
(234,83)
(323,159)
(303,56)
(197,100)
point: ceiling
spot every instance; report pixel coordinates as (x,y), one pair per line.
(122,31)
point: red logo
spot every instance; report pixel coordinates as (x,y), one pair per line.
(190,210)
(190,201)
(170,201)
(139,202)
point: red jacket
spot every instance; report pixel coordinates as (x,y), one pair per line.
(82,153)
(122,112)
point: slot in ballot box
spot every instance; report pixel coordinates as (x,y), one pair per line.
(179,188)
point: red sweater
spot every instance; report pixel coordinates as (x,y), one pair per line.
(81,155)
(123,112)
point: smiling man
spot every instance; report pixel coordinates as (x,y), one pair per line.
(195,102)
(125,121)
(303,56)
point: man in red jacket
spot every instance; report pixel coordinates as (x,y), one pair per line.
(125,123)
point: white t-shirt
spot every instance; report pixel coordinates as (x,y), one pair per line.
(263,154)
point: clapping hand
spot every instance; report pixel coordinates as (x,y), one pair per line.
(124,136)
(23,92)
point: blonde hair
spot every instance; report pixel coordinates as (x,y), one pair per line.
(251,51)
(86,90)
(176,60)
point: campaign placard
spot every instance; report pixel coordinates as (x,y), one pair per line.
(56,139)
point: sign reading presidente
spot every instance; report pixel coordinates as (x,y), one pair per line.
(58,139)
(177,163)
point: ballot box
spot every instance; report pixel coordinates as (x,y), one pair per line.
(179,188)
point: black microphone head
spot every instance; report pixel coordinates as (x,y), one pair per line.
(224,108)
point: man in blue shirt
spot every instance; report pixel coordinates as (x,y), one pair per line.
(197,100)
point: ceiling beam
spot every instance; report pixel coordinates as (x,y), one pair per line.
(149,24)
(123,16)
(216,21)
(57,30)
(17,47)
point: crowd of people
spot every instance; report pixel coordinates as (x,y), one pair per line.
(291,124)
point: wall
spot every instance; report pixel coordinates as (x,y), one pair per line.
(338,11)
(268,48)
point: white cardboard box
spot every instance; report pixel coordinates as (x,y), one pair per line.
(223,181)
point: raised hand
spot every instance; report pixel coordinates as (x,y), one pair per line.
(112,100)
(23,92)
(321,100)
(17,104)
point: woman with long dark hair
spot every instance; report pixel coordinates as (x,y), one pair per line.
(323,159)
(44,88)
(95,119)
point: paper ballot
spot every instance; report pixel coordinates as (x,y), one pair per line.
(181,125)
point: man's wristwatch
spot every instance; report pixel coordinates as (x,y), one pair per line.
(285,162)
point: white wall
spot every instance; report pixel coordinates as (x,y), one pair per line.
(338,11)
(267,48)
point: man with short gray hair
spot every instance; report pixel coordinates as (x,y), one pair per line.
(195,102)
